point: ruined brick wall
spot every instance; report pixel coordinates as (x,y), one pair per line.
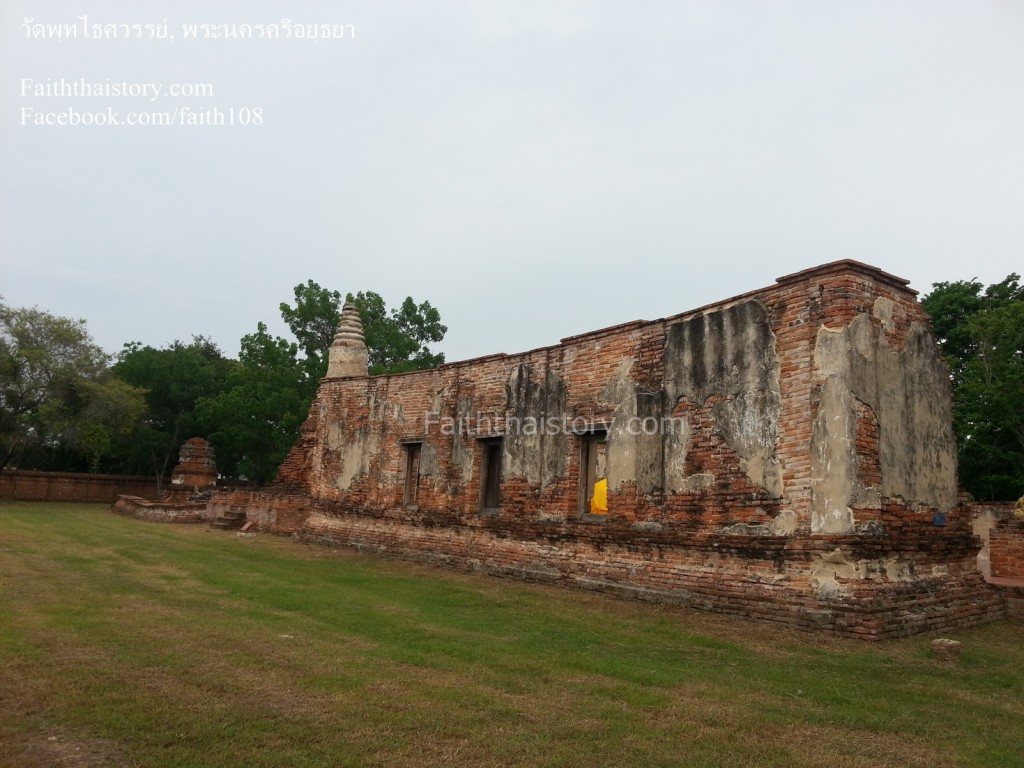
(27,485)
(1006,550)
(786,454)
(752,390)
(986,516)
(294,472)
(268,511)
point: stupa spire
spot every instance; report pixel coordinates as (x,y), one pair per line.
(348,355)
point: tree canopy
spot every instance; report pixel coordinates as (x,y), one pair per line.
(63,405)
(981,332)
(255,420)
(56,392)
(312,321)
(397,340)
(174,378)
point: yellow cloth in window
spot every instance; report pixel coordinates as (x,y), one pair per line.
(599,501)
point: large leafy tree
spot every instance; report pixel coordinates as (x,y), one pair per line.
(175,378)
(57,397)
(313,321)
(102,416)
(981,331)
(256,419)
(398,340)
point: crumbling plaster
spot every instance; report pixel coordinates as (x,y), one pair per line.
(536,448)
(729,354)
(906,388)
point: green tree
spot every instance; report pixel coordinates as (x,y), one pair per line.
(397,340)
(256,419)
(56,394)
(102,414)
(313,321)
(175,379)
(981,331)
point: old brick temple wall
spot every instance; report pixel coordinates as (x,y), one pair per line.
(784,455)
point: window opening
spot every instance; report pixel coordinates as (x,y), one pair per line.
(412,472)
(490,486)
(594,473)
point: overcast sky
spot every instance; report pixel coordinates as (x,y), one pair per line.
(533,169)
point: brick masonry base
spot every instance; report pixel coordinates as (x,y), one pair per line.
(764,578)
(1006,557)
(1012,591)
(160,511)
(267,511)
(1006,550)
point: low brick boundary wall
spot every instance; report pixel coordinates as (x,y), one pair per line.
(29,485)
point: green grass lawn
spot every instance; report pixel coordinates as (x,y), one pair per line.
(132,643)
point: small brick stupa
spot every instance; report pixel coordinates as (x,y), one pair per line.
(192,483)
(196,471)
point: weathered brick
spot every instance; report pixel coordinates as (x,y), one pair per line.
(793,493)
